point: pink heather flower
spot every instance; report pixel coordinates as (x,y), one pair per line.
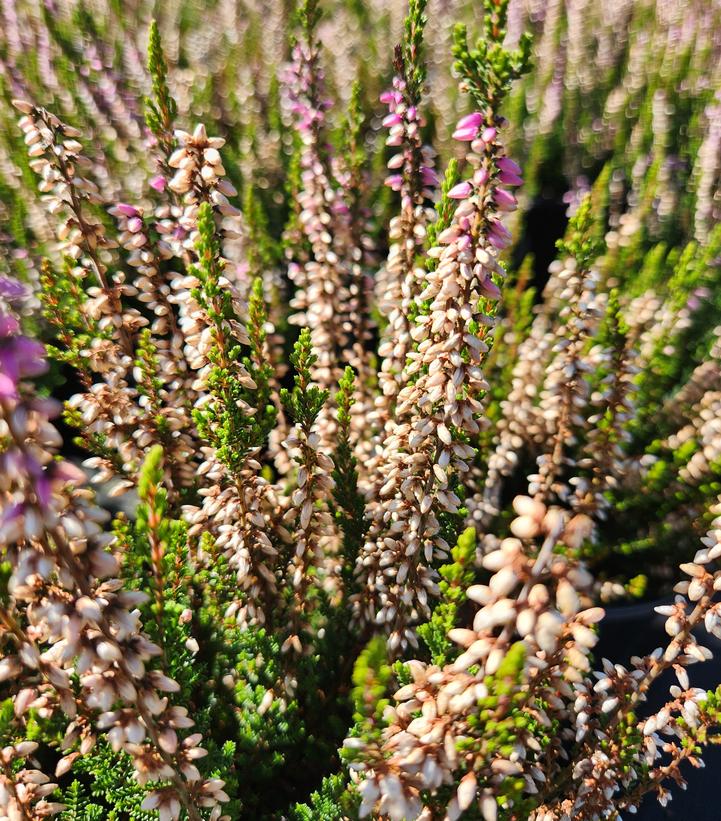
(509,179)
(394,181)
(499,229)
(7,387)
(465,135)
(481,176)
(505,201)
(387,97)
(488,135)
(135,224)
(448,235)
(43,490)
(49,408)
(490,289)
(429,176)
(392,119)
(498,235)
(460,191)
(464,242)
(470,120)
(126,210)
(507,164)
(67,472)
(497,241)
(158,183)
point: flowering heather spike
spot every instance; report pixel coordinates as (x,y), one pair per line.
(613,397)
(401,280)
(199,173)
(356,318)
(328,280)
(60,590)
(531,620)
(235,419)
(565,389)
(56,156)
(308,516)
(99,332)
(439,410)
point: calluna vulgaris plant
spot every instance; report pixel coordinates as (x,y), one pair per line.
(364,471)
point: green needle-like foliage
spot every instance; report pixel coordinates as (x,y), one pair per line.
(160,109)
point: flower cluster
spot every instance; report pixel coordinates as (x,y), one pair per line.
(76,641)
(377,545)
(426,450)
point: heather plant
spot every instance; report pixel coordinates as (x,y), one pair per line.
(311,494)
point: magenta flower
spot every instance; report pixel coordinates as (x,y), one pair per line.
(507,178)
(505,201)
(392,119)
(470,120)
(124,209)
(465,135)
(8,389)
(506,164)
(489,135)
